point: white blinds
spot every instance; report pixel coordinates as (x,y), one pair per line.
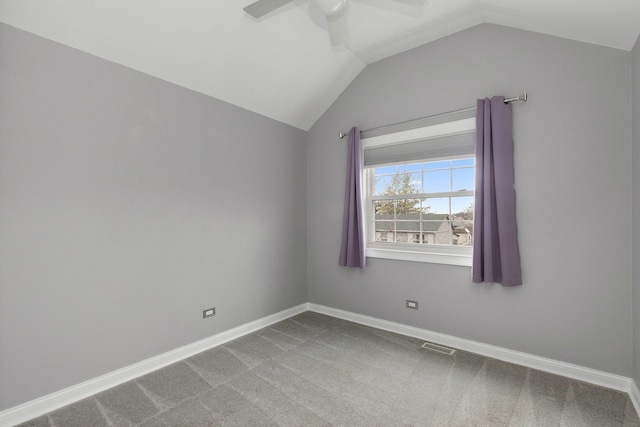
(460,145)
(445,136)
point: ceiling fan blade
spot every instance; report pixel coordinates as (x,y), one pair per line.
(338,29)
(262,7)
(417,3)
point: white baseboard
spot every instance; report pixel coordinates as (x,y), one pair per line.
(569,370)
(634,395)
(51,402)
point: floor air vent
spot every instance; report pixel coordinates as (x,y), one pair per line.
(439,348)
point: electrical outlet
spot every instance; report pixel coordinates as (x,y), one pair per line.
(412,304)
(209,312)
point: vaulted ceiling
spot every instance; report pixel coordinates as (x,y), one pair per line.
(282,65)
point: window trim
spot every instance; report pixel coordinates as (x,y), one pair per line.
(433,257)
(449,254)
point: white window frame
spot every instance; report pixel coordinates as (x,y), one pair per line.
(438,254)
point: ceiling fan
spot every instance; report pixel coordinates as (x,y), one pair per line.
(334,10)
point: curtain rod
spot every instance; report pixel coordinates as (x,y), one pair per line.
(522,97)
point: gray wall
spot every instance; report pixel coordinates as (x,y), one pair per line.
(635,118)
(573,183)
(129,205)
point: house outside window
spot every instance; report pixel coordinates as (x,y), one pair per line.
(419,187)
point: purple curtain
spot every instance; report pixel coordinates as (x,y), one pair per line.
(496,257)
(352,252)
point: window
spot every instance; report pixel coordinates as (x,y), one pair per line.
(419,193)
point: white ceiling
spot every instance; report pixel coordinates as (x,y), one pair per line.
(283,66)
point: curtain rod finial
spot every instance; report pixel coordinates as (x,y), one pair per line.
(342,135)
(522,97)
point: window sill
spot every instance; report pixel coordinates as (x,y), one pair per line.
(401,254)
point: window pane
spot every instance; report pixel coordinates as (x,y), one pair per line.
(464,162)
(462,207)
(406,231)
(428,238)
(383,231)
(437,165)
(383,209)
(437,206)
(408,226)
(384,170)
(400,183)
(437,181)
(437,232)
(381,184)
(408,209)
(446,220)
(414,167)
(463,233)
(415,184)
(431,226)
(463,179)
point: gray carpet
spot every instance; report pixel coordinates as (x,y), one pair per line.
(315,370)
